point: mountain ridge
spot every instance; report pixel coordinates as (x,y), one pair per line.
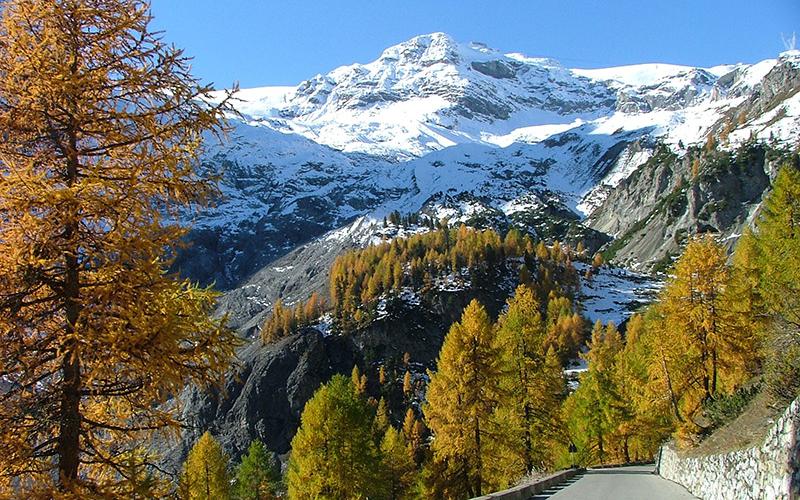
(284,185)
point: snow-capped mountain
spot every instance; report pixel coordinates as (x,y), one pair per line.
(465,132)
(431,92)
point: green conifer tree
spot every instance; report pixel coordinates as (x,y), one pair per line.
(333,453)
(258,475)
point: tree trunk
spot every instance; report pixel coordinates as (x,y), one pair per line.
(70,418)
(625,449)
(600,448)
(528,440)
(478,459)
(70,422)
(714,371)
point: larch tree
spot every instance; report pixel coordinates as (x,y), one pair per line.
(692,306)
(640,429)
(777,253)
(258,476)
(101,125)
(742,314)
(462,396)
(594,404)
(399,469)
(333,453)
(205,473)
(533,388)
(778,246)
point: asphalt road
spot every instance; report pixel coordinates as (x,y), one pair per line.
(621,483)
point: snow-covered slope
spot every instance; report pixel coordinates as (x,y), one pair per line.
(463,131)
(432,92)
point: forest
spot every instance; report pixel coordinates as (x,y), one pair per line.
(497,407)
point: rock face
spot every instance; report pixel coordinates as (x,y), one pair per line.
(653,211)
(264,396)
(771,470)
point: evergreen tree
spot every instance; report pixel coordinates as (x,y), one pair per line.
(400,471)
(258,475)
(462,397)
(205,473)
(333,453)
(101,125)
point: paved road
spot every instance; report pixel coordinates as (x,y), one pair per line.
(621,483)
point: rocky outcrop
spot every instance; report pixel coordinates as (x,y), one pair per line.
(264,396)
(669,198)
(771,470)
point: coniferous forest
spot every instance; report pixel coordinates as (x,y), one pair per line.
(103,130)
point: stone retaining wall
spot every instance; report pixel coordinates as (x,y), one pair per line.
(527,490)
(769,471)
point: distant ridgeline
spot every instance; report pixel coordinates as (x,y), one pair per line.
(424,266)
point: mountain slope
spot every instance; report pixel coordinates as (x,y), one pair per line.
(465,132)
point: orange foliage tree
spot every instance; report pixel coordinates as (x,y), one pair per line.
(101,126)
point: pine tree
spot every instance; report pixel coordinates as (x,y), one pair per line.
(205,473)
(333,453)
(102,125)
(258,476)
(462,396)
(399,468)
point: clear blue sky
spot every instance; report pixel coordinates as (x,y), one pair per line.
(268,42)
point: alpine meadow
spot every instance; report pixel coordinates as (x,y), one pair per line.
(452,272)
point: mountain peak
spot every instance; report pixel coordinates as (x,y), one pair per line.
(424,49)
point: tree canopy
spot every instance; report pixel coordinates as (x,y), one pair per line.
(102,125)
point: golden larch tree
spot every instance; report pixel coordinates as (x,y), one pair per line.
(205,473)
(462,396)
(101,127)
(533,390)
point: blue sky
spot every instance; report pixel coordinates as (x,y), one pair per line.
(267,42)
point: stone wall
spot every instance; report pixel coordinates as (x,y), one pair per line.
(769,471)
